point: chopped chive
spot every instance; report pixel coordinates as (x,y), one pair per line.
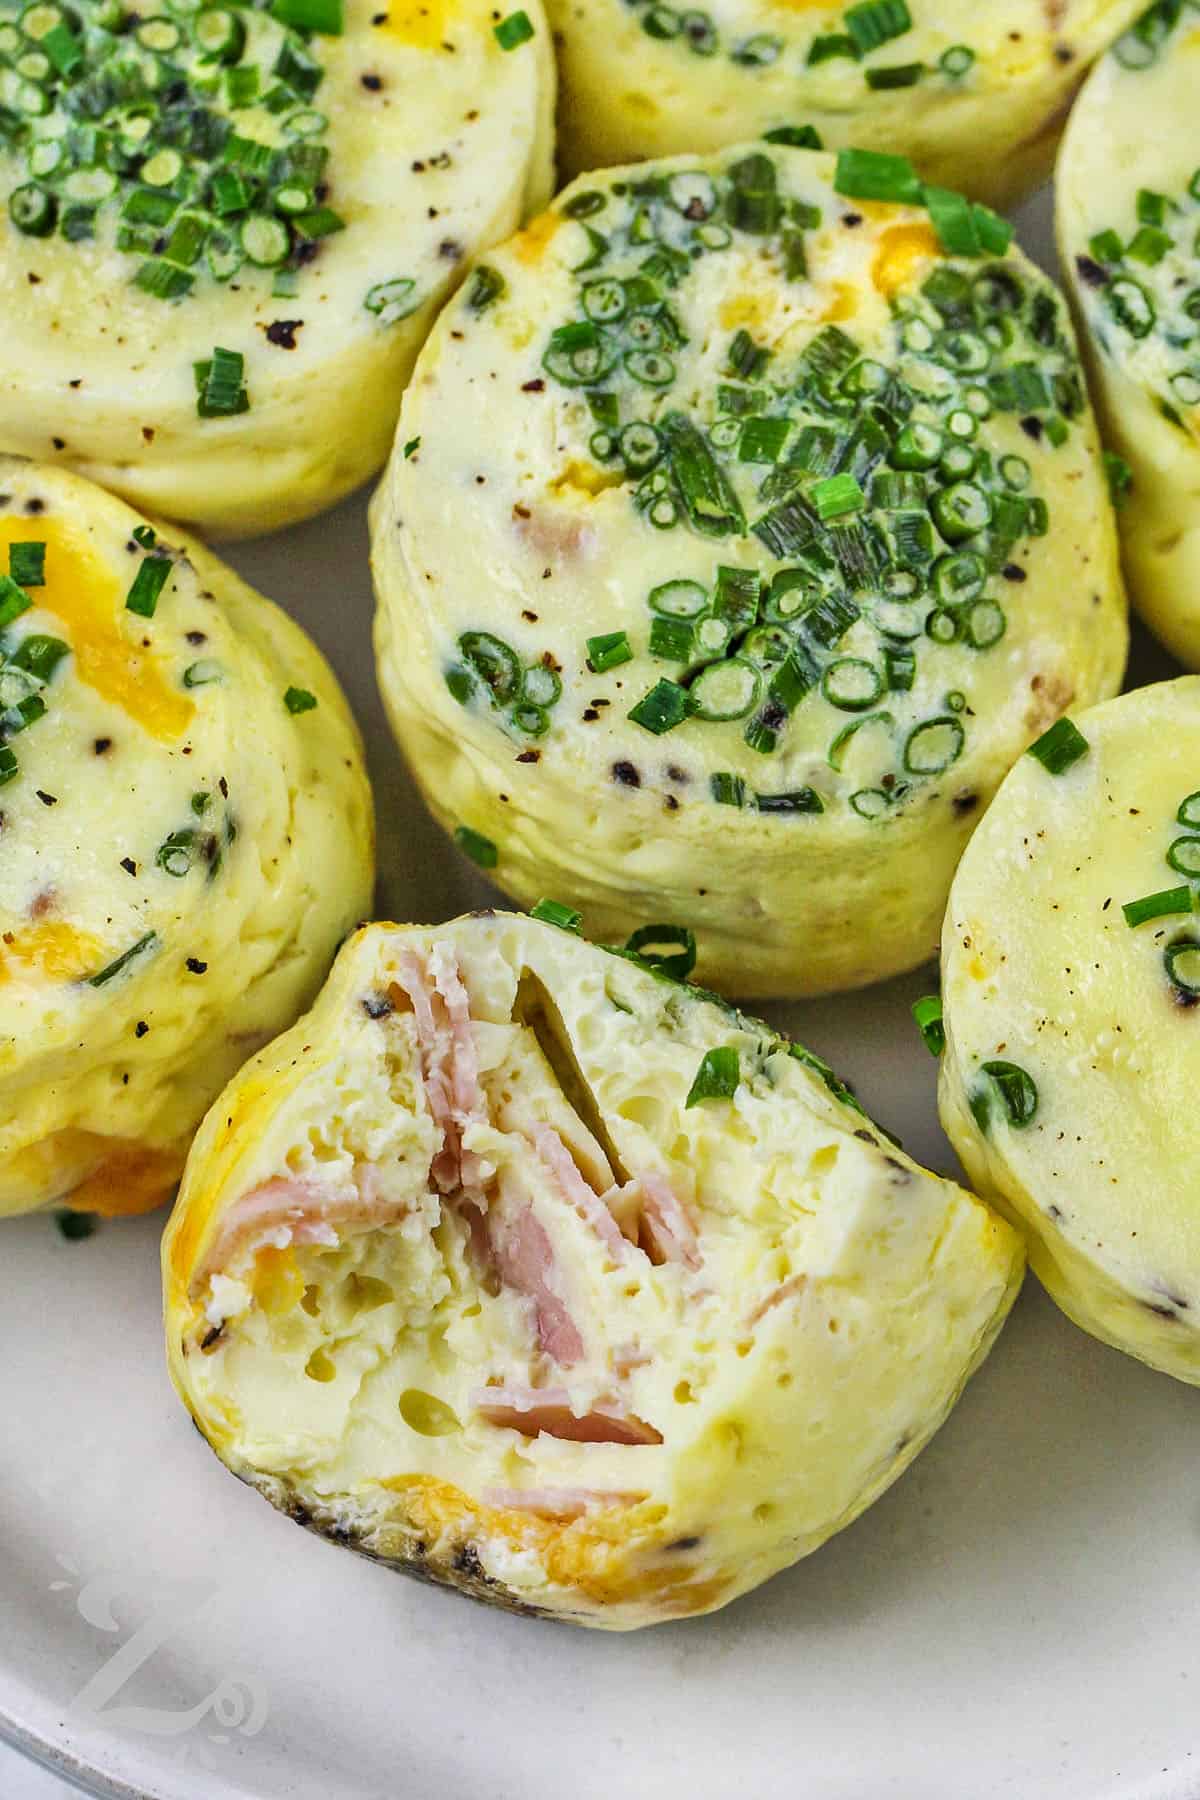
(27,564)
(299,700)
(39,656)
(727,789)
(148,584)
(145,535)
(1059,747)
(1189,810)
(165,280)
(798,137)
(1182,961)
(485,286)
(516,29)
(1017,1091)
(1184,857)
(711,504)
(797,800)
(928,1015)
(324,16)
(957,61)
(411,448)
(220,385)
(1119,476)
(837,495)
(895,75)
(762,439)
(830,45)
(480,849)
(318,222)
(679,963)
(876,175)
(1106,247)
(717,1078)
(106,974)
(8,765)
(553,912)
(663,708)
(874,22)
(608,651)
(1158,906)
(13,600)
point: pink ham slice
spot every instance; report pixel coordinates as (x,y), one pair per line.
(576,1192)
(449,1062)
(666,1225)
(524,1258)
(308,1212)
(557,1503)
(534,1410)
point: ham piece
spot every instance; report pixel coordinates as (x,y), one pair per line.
(534,1410)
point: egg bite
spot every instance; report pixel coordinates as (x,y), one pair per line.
(526,1269)
(1128,205)
(976,95)
(1071,993)
(185,838)
(737,539)
(225,231)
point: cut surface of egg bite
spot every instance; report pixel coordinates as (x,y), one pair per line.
(185,838)
(1128,204)
(535,1273)
(976,95)
(225,231)
(1071,988)
(737,538)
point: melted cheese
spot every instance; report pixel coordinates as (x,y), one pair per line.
(50,951)
(83,592)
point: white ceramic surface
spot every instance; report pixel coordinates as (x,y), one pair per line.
(1019,1619)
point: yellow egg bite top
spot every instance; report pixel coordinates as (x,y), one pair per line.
(163,815)
(730,514)
(179,180)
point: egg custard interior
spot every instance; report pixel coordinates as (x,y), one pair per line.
(513,1239)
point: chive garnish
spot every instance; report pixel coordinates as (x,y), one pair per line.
(411,448)
(220,385)
(39,656)
(608,651)
(13,601)
(678,963)
(145,535)
(895,75)
(928,1015)
(481,850)
(516,29)
(310,15)
(1159,906)
(836,496)
(553,912)
(799,137)
(1060,747)
(1016,1089)
(717,1077)
(27,564)
(663,708)
(1182,962)
(1189,810)
(485,286)
(106,974)
(874,22)
(299,700)
(148,584)
(727,789)
(876,175)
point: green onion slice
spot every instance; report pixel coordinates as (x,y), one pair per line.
(717,1078)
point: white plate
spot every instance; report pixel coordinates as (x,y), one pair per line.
(1017,1618)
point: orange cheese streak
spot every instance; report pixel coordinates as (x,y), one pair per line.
(529,245)
(53,950)
(82,590)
